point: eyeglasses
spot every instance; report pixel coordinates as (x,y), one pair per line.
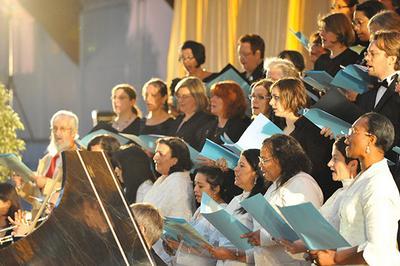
(264,160)
(187,58)
(61,129)
(354,131)
(371,54)
(182,96)
(259,97)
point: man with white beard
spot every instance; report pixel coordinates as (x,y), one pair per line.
(64,131)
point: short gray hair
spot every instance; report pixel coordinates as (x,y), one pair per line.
(73,117)
(150,218)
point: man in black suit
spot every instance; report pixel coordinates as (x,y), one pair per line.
(251,50)
(383,62)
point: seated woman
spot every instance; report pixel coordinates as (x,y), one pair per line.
(134,169)
(192,56)
(288,98)
(193,124)
(370,208)
(210,180)
(343,169)
(337,35)
(158,121)
(9,205)
(228,104)
(248,177)
(285,164)
(127,120)
(172,193)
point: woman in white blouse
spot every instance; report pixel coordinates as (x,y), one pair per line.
(172,193)
(210,180)
(285,164)
(370,208)
(343,169)
(248,177)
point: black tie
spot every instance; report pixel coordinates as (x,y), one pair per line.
(382,84)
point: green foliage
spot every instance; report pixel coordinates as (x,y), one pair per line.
(9,124)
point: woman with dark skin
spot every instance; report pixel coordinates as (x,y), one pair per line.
(370,208)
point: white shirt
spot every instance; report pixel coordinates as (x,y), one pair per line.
(209,232)
(369,213)
(299,189)
(381,90)
(330,209)
(143,189)
(172,195)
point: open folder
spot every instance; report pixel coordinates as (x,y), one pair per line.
(301,38)
(224,222)
(323,119)
(229,72)
(214,151)
(318,79)
(253,137)
(180,230)
(12,162)
(352,77)
(84,142)
(316,232)
(268,217)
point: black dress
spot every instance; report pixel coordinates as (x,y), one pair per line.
(163,128)
(234,128)
(318,149)
(332,65)
(195,130)
(133,128)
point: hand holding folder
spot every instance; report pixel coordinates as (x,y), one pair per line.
(224,222)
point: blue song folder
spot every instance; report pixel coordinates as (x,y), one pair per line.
(301,38)
(224,222)
(322,119)
(253,137)
(179,229)
(268,217)
(86,139)
(318,79)
(352,77)
(214,151)
(316,232)
(230,73)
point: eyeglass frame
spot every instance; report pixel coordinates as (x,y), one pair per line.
(264,160)
(353,131)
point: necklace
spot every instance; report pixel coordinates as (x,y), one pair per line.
(122,124)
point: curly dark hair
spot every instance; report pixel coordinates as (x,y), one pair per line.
(290,155)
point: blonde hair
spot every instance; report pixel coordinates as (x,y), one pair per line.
(197,90)
(389,42)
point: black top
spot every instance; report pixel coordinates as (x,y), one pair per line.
(133,128)
(163,128)
(256,75)
(318,148)
(332,66)
(234,128)
(388,105)
(195,130)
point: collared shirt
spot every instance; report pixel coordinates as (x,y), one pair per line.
(369,212)
(381,90)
